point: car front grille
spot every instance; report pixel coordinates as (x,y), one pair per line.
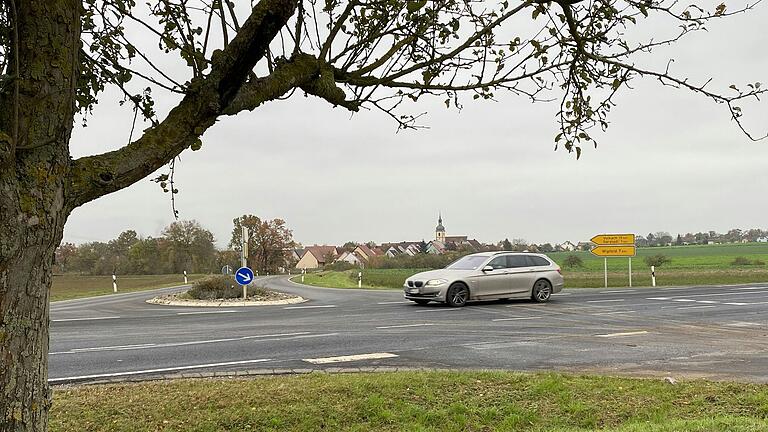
(419,284)
(410,284)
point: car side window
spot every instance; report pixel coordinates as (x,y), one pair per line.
(498,263)
(536,261)
(516,261)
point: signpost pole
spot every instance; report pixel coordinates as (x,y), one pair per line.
(605,266)
(244,256)
(630,272)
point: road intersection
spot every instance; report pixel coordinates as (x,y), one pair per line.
(714,332)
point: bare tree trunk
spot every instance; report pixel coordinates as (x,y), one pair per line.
(25,280)
(36,121)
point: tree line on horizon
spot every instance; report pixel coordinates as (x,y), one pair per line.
(183,245)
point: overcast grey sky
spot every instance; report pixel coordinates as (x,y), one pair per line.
(670,161)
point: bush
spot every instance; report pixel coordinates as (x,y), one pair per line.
(573,261)
(656,260)
(739,261)
(215,287)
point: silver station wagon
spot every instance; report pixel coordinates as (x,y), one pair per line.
(487,276)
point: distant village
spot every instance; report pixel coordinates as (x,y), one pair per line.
(312,257)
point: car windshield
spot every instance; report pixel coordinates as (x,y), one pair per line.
(472,262)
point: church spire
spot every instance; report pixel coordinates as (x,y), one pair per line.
(440,230)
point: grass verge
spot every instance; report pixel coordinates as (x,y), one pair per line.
(415,401)
(67,287)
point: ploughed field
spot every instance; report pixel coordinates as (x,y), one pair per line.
(689,265)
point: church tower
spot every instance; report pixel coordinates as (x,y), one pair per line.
(440,230)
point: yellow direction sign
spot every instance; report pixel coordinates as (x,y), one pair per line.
(614,251)
(614,239)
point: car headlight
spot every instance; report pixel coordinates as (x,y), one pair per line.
(435,282)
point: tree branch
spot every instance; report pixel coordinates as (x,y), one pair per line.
(94,176)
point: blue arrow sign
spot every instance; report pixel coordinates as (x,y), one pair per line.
(244,275)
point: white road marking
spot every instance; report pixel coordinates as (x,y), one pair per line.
(439,310)
(516,319)
(393,302)
(148,371)
(612,313)
(605,301)
(683,300)
(86,319)
(744,324)
(349,358)
(609,335)
(562,293)
(269,337)
(748,288)
(737,304)
(616,291)
(310,307)
(405,325)
(726,294)
(658,298)
(695,307)
(708,301)
(206,312)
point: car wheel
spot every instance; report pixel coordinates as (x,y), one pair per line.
(457,295)
(542,291)
(421,302)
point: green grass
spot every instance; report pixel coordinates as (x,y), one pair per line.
(690,265)
(67,287)
(414,401)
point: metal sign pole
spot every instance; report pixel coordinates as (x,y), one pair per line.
(605,267)
(244,256)
(630,272)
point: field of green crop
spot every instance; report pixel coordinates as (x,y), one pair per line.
(67,287)
(689,265)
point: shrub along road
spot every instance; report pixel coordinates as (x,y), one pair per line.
(716,332)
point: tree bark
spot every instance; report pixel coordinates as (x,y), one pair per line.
(35,162)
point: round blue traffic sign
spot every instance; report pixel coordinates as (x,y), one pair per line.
(244,275)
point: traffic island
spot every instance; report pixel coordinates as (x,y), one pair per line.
(218,291)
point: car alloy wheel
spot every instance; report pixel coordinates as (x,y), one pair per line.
(542,291)
(457,295)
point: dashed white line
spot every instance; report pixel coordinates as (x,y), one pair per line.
(310,307)
(737,304)
(206,312)
(605,301)
(148,371)
(517,318)
(349,358)
(86,319)
(405,325)
(393,302)
(634,333)
(616,291)
(695,307)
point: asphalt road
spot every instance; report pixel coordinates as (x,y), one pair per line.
(712,332)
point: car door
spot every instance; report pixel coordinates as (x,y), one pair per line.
(494,283)
(520,276)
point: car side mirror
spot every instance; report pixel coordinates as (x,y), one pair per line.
(487,269)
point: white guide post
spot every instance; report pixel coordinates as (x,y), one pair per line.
(114,283)
(185,277)
(653,275)
(359,279)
